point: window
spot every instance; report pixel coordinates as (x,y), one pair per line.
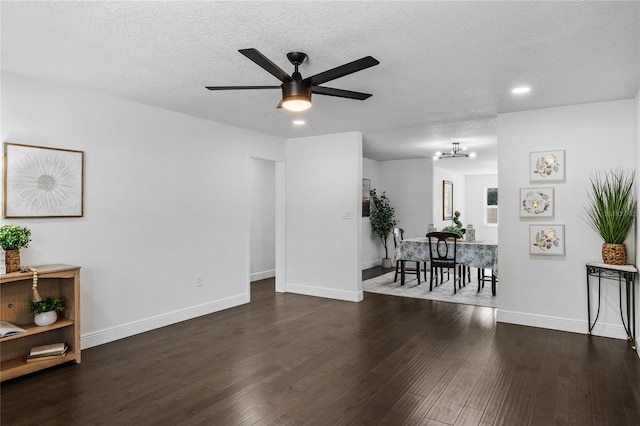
(491,206)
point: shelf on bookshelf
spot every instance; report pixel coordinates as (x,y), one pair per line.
(36,329)
(18,366)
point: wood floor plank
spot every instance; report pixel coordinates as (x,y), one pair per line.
(547,382)
(482,391)
(402,410)
(451,402)
(420,413)
(289,359)
(469,417)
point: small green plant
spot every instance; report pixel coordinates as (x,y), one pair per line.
(382,218)
(14,237)
(46,304)
(612,206)
(457,228)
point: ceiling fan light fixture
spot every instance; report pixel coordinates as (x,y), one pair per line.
(296,103)
(296,96)
(296,91)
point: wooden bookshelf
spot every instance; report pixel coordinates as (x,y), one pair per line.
(15,294)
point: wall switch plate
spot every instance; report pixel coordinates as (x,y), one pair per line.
(199,281)
(348,215)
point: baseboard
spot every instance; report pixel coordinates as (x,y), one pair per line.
(371,264)
(328,293)
(130,329)
(257,276)
(562,324)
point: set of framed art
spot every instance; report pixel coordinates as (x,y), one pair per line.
(539,202)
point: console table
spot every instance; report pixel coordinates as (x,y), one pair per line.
(619,273)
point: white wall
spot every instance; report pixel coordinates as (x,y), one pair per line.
(550,291)
(263,219)
(372,251)
(409,186)
(474,205)
(166,199)
(324,209)
(459,197)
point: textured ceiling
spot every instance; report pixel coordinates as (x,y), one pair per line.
(446,68)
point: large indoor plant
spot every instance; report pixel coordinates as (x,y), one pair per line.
(611,212)
(382,221)
(12,239)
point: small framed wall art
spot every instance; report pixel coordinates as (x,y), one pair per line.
(447,200)
(547,166)
(536,202)
(546,240)
(366,197)
(42,182)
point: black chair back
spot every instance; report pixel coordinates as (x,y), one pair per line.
(398,235)
(440,253)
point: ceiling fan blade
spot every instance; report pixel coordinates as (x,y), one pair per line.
(340,93)
(266,64)
(240,87)
(342,70)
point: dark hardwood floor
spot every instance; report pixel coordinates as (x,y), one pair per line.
(375,272)
(287,359)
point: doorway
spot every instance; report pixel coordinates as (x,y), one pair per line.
(262,218)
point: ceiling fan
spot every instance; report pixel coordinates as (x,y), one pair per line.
(296,91)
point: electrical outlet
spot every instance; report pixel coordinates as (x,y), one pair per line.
(199,281)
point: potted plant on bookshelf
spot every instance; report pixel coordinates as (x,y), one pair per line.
(46,310)
(382,221)
(611,212)
(12,239)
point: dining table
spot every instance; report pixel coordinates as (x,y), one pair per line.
(479,253)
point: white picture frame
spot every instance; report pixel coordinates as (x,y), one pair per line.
(547,166)
(537,202)
(546,240)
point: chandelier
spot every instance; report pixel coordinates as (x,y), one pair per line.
(455,152)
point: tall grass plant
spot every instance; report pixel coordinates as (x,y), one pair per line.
(612,206)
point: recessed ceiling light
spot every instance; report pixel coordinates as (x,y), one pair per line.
(521,90)
(299,122)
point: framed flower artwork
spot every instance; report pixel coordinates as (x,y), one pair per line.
(547,166)
(546,240)
(536,202)
(42,182)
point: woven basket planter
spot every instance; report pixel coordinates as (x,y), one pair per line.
(12,260)
(614,254)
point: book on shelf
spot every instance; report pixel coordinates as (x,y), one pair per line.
(45,358)
(53,350)
(9,329)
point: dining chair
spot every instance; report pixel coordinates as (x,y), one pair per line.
(414,268)
(483,278)
(443,250)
